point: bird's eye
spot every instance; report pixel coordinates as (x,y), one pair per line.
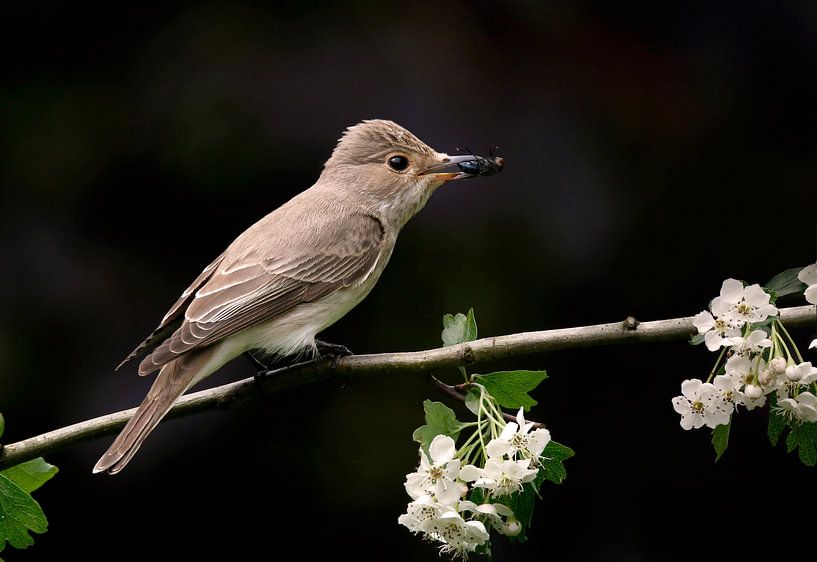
(398,163)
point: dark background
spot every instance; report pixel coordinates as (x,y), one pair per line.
(652,150)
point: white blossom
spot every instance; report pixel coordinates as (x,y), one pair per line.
(436,475)
(726,394)
(714,329)
(787,407)
(498,516)
(754,343)
(516,438)
(738,305)
(420,510)
(807,404)
(808,275)
(459,537)
(744,372)
(699,405)
(803,407)
(503,477)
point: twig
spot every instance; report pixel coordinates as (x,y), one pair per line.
(456,393)
(479,351)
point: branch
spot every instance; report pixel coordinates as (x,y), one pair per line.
(471,353)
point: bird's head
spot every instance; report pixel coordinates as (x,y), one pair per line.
(392,169)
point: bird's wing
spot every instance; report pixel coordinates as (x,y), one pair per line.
(272,279)
(174,316)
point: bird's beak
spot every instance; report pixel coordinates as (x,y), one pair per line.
(448,168)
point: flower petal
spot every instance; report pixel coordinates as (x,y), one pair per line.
(503,510)
(720,306)
(447,491)
(497,447)
(469,473)
(808,274)
(732,291)
(537,442)
(509,429)
(755,296)
(452,468)
(442,449)
(807,398)
(415,485)
(714,340)
(703,321)
(681,405)
(493,469)
(811,294)
(807,413)
(691,388)
(476,532)
(738,365)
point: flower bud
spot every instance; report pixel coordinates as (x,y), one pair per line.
(793,373)
(777,366)
(512,527)
(753,391)
(765,376)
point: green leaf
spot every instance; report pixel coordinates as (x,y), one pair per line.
(472,400)
(786,283)
(803,437)
(720,439)
(697,339)
(459,329)
(32,474)
(552,468)
(440,420)
(777,424)
(510,388)
(19,514)
(2,425)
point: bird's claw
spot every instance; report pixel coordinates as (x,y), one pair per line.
(332,351)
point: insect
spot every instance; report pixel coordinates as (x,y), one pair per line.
(482,165)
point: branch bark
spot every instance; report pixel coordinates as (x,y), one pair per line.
(416,362)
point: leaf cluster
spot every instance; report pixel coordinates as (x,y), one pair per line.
(20,514)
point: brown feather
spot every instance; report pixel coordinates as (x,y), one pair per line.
(174,378)
(257,289)
(174,316)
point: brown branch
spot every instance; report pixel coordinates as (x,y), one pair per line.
(475,352)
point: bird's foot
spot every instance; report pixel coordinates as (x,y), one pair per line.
(260,365)
(332,351)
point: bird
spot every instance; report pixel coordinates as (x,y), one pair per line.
(293,273)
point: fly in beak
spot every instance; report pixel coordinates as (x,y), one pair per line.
(449,168)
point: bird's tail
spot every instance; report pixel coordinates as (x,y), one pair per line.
(173,380)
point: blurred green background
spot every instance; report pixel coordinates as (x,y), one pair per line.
(652,150)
